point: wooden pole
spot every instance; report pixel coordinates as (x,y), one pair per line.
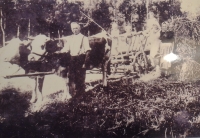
(29,27)
(2,29)
(29,74)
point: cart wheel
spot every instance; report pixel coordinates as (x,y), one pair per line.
(114,68)
(139,63)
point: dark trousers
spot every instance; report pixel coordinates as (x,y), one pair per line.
(77,75)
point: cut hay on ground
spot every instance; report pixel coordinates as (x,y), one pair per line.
(190,71)
(126,109)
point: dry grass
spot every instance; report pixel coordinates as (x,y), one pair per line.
(127,108)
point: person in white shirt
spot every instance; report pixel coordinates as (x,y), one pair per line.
(115,40)
(78,47)
(153,41)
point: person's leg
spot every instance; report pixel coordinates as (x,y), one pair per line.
(72,73)
(80,80)
(80,75)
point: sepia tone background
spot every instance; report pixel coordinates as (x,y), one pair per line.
(133,105)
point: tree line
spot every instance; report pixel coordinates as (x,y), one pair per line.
(22,18)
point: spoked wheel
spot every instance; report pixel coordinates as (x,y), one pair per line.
(140,64)
(119,63)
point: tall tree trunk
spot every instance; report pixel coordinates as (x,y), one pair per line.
(2,29)
(62,34)
(147,7)
(18,31)
(4,23)
(59,34)
(29,28)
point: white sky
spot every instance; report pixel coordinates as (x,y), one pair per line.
(192,7)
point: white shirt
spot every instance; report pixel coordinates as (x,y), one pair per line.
(73,43)
(153,41)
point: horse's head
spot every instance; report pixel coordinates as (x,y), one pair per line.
(100,38)
(38,47)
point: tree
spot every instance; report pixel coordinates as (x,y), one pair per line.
(5,9)
(2,27)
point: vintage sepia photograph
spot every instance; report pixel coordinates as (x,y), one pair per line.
(99,68)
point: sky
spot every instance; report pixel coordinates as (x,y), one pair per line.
(192,7)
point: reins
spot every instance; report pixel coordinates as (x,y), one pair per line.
(42,57)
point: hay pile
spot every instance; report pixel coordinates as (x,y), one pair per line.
(187,31)
(190,71)
(187,42)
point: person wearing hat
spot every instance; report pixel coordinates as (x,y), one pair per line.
(78,47)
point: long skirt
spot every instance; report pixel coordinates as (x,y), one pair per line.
(165,48)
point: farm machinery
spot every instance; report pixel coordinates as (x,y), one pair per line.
(135,60)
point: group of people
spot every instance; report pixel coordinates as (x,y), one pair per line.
(77,45)
(155,34)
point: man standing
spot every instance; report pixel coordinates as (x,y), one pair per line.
(78,47)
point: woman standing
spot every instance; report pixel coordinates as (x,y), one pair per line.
(153,41)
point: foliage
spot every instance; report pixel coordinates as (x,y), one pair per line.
(45,17)
(101,16)
(50,16)
(128,8)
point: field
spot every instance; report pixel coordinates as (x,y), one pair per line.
(128,108)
